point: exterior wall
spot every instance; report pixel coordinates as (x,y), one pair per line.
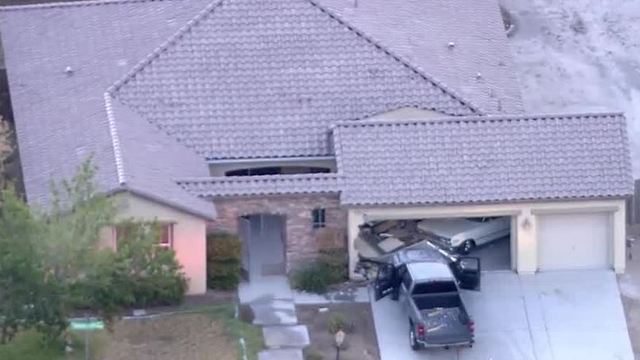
(302,241)
(219,169)
(189,235)
(524,215)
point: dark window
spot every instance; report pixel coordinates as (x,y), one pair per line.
(406,280)
(319,170)
(318,216)
(275,170)
(255,171)
(434,287)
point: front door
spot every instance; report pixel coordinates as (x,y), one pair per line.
(266,245)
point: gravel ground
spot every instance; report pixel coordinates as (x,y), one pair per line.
(179,337)
(361,343)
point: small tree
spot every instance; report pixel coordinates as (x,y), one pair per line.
(6,149)
(153,274)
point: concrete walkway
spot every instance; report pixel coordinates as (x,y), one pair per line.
(272,303)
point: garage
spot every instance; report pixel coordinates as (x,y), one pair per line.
(565,198)
(488,238)
(574,241)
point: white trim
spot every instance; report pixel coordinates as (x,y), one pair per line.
(115,142)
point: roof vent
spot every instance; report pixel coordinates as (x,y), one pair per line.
(68,70)
(478,76)
(451,45)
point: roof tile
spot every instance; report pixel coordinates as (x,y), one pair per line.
(483,159)
(254,78)
(208,187)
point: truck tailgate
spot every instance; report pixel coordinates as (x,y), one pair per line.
(444,326)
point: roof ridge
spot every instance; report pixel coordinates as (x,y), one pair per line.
(67,4)
(472,118)
(165,45)
(399,58)
(115,140)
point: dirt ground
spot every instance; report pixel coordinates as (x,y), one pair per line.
(188,337)
(361,343)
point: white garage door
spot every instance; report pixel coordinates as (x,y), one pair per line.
(574,241)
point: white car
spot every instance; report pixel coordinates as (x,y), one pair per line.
(463,234)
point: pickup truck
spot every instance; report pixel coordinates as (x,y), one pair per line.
(427,286)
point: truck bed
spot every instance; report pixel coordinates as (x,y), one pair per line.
(444,317)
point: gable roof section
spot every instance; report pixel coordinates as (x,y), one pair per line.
(254,78)
(148,168)
(61,117)
(483,159)
(420,31)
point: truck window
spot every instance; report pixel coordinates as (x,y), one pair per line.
(434,287)
(406,280)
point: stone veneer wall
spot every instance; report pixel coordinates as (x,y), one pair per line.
(302,241)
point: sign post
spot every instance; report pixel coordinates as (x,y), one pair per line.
(86,325)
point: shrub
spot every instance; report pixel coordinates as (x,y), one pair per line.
(138,274)
(328,269)
(337,321)
(152,274)
(224,253)
(315,277)
(337,262)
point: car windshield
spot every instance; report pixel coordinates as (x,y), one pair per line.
(479,220)
(434,287)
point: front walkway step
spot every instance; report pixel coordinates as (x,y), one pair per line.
(274,312)
(290,336)
(280,354)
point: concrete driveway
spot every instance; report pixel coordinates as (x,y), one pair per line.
(559,315)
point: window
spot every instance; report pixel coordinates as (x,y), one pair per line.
(318,216)
(165,236)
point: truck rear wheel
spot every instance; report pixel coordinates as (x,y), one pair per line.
(413,340)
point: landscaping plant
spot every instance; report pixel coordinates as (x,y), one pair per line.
(328,269)
(224,265)
(52,263)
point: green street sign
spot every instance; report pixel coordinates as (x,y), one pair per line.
(86,325)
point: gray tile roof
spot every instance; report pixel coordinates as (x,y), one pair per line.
(148,168)
(420,31)
(255,78)
(61,117)
(261,185)
(483,159)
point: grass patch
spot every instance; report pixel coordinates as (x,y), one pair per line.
(29,345)
(236,329)
(184,336)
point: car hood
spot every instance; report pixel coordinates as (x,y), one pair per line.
(447,227)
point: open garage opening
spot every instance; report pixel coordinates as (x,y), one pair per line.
(489,238)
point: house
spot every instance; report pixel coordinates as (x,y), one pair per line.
(293,122)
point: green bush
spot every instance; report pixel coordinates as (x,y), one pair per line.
(224,265)
(139,274)
(328,269)
(337,321)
